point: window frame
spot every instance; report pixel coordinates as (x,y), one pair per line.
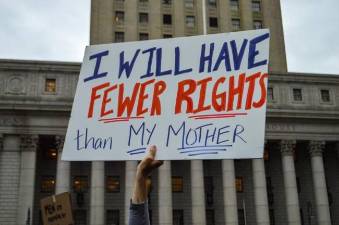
(108,190)
(167,19)
(187,22)
(84,190)
(241,180)
(116,34)
(181,190)
(212,3)
(234,5)
(258,21)
(254,9)
(145,15)
(46,91)
(213,22)
(294,100)
(181,216)
(234,28)
(113,211)
(117,19)
(50,189)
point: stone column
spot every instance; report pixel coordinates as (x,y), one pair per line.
(9,178)
(198,193)
(27,177)
(260,192)
(319,182)
(165,194)
(130,170)
(63,169)
(230,195)
(246,15)
(291,193)
(97,200)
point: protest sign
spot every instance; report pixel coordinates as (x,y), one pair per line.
(201,97)
(57,210)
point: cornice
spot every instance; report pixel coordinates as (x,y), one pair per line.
(35,65)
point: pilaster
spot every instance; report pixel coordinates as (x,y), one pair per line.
(287,148)
(316,149)
(97,199)
(9,178)
(230,195)
(198,193)
(165,194)
(63,168)
(28,146)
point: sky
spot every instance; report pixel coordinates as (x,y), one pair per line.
(59,31)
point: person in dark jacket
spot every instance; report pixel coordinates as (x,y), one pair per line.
(138,214)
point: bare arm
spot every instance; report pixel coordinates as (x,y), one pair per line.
(139,206)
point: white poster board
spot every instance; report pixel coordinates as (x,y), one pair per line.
(201,97)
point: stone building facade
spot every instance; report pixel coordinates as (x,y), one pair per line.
(296,183)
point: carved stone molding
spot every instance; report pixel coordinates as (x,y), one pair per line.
(316,148)
(10,121)
(16,84)
(59,141)
(29,142)
(287,147)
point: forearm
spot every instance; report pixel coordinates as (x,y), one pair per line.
(140,191)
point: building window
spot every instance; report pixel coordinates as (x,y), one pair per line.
(234,5)
(239,184)
(119,37)
(189,3)
(325,95)
(257,24)
(177,184)
(270,94)
(256,7)
(80,184)
(297,94)
(167,36)
(212,3)
(210,217)
(112,217)
(143,17)
(190,21)
(143,36)
(241,217)
(113,184)
(119,16)
(47,184)
(213,22)
(80,217)
(166,2)
(50,85)
(178,217)
(167,19)
(51,154)
(236,24)
(208,183)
